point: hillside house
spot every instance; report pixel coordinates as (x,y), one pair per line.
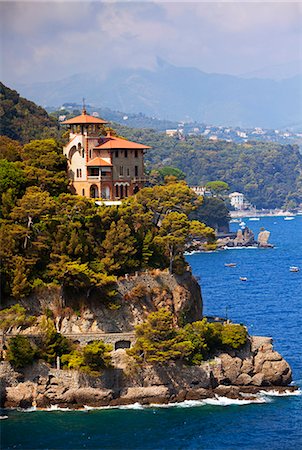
(101,165)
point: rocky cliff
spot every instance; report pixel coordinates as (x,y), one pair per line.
(239,374)
(136,296)
(236,373)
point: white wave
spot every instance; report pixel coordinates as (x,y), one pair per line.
(133,406)
(3,417)
(241,248)
(28,410)
(57,408)
(226,401)
(286,393)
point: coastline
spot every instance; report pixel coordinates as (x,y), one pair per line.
(261,213)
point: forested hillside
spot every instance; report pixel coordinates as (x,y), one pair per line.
(23,120)
(269,174)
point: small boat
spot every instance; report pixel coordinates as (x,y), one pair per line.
(254,218)
(230,265)
(242,278)
(288,218)
(3,417)
(242,224)
(294,269)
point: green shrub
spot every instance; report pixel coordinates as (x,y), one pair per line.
(15,316)
(158,340)
(20,352)
(233,335)
(90,359)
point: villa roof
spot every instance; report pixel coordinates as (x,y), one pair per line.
(112,142)
(84,118)
(98,162)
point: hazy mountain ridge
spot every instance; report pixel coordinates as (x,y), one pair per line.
(179,93)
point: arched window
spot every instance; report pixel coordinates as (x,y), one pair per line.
(116,191)
(83,153)
(90,154)
(83,192)
(126,190)
(122,191)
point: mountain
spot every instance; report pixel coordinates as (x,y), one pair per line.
(181,93)
(22,120)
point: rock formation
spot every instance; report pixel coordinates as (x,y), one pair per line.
(236,374)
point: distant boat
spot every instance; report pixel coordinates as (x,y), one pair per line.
(242,278)
(254,218)
(242,224)
(230,265)
(288,218)
(294,269)
(235,221)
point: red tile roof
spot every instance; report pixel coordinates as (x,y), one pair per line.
(112,142)
(98,162)
(83,119)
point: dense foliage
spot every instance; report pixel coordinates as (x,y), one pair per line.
(158,340)
(90,359)
(269,174)
(23,120)
(20,352)
(49,235)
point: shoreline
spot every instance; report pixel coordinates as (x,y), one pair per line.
(260,213)
(258,395)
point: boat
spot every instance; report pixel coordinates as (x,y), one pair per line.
(242,278)
(288,218)
(230,265)
(235,221)
(242,224)
(294,269)
(254,218)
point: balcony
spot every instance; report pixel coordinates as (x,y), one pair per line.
(99,177)
(139,179)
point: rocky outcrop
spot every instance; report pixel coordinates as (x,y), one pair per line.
(235,375)
(136,297)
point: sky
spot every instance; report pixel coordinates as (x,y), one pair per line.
(51,40)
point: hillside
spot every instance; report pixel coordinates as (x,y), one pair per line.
(181,93)
(269,174)
(23,120)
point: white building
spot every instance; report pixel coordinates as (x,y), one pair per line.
(237,200)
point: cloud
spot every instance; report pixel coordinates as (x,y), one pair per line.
(51,40)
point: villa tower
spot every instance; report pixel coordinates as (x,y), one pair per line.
(102,166)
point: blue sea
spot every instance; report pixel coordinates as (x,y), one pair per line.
(269,303)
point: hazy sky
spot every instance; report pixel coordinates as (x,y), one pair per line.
(50,40)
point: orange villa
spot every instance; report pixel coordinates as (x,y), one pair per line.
(106,167)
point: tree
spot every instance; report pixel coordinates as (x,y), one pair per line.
(157,340)
(11,177)
(20,284)
(91,359)
(218,187)
(119,248)
(233,335)
(53,344)
(14,316)
(33,205)
(10,149)
(213,213)
(20,352)
(172,235)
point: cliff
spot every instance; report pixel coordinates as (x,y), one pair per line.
(136,296)
(234,373)
(239,374)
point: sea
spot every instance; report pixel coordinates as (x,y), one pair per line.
(269,303)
